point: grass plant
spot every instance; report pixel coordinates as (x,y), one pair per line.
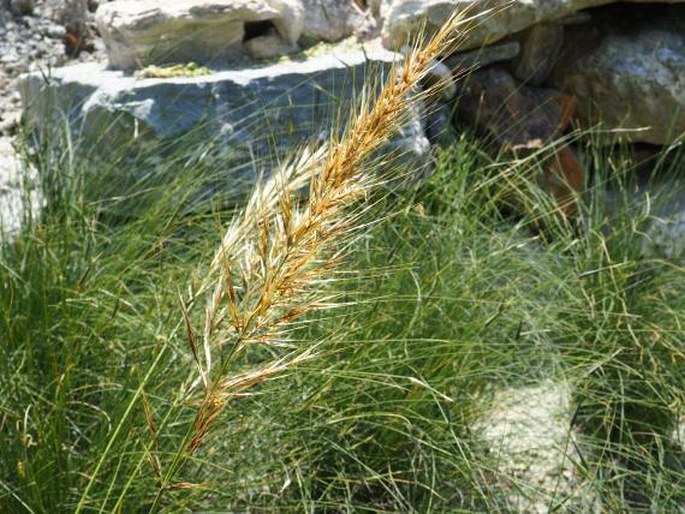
(311,358)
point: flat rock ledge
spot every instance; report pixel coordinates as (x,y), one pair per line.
(254,112)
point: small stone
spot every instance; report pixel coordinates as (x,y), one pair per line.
(29,22)
(54,31)
(269,46)
(9,57)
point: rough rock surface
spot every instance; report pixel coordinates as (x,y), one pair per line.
(160,32)
(334,20)
(511,114)
(17,189)
(254,111)
(628,72)
(521,120)
(463,62)
(527,431)
(540,48)
(404,19)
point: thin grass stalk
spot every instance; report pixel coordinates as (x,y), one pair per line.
(270,260)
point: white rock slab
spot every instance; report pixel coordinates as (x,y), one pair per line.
(256,113)
(18,190)
(138,33)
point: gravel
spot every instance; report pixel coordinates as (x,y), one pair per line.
(29,41)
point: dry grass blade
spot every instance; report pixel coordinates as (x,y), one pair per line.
(192,339)
(226,388)
(152,459)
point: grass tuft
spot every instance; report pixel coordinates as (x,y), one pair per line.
(311,358)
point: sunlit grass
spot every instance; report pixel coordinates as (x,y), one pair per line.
(443,295)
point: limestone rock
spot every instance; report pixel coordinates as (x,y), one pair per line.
(254,113)
(160,32)
(629,72)
(540,49)
(404,19)
(18,189)
(334,20)
(529,434)
(521,120)
(268,46)
(462,62)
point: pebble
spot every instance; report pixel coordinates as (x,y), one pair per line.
(26,42)
(54,31)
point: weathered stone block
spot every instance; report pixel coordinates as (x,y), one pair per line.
(404,20)
(629,72)
(256,113)
(160,32)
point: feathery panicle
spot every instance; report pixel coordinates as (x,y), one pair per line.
(271,255)
(263,275)
(225,388)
